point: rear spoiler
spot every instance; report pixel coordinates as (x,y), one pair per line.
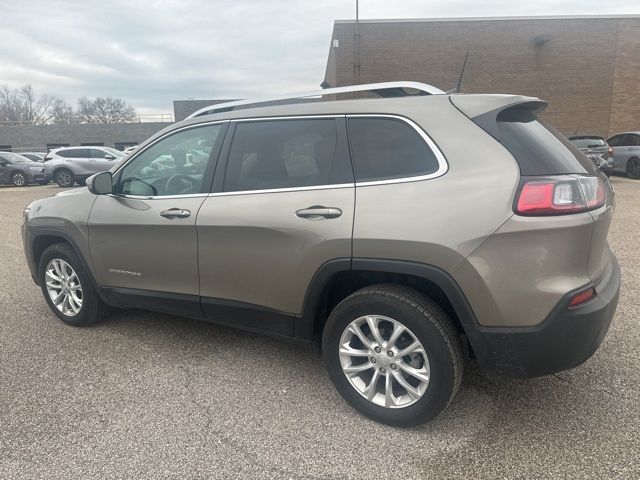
(483,110)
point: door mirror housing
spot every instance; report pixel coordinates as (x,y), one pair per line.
(108,156)
(100,183)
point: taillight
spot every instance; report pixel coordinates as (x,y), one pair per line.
(559,195)
(610,152)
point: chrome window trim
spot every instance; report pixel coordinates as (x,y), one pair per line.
(281,190)
(158,197)
(288,117)
(443,166)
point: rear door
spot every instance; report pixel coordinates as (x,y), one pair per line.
(77,159)
(282,207)
(621,150)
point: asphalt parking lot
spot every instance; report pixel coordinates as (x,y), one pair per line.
(147,395)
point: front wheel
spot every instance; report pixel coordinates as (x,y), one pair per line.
(633,168)
(67,288)
(393,354)
(19,179)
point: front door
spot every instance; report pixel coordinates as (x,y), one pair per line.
(282,207)
(143,237)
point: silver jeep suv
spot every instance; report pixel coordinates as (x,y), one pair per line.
(69,165)
(396,233)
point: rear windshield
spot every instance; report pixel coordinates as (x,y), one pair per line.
(537,147)
(588,142)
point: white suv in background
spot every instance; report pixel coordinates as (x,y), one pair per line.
(69,165)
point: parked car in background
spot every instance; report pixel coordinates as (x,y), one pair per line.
(20,171)
(35,156)
(597,149)
(128,150)
(626,153)
(69,165)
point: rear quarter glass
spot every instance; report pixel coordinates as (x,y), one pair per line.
(538,148)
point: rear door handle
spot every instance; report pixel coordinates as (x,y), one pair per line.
(175,213)
(318,212)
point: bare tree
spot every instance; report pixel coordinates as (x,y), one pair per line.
(63,113)
(21,106)
(105,110)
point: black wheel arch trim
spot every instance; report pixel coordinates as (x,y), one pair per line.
(306,325)
(53,232)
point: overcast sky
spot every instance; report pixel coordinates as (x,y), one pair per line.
(150,53)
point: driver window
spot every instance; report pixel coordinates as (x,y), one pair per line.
(173,166)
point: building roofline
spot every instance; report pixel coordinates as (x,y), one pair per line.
(480,19)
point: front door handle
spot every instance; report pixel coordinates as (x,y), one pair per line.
(175,213)
(318,212)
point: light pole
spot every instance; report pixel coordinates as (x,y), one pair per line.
(356,65)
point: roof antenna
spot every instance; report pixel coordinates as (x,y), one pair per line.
(457,89)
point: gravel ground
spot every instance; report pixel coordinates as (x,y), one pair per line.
(147,395)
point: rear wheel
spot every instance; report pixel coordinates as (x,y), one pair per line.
(67,288)
(19,179)
(64,177)
(393,354)
(633,168)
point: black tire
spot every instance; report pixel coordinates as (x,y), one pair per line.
(93,308)
(430,325)
(64,177)
(633,168)
(19,179)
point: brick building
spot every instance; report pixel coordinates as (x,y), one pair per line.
(586,67)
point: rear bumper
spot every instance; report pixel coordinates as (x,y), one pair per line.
(567,337)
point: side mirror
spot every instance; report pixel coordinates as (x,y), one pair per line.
(108,156)
(100,183)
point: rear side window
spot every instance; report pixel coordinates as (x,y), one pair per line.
(286,154)
(537,147)
(96,153)
(388,148)
(615,140)
(75,153)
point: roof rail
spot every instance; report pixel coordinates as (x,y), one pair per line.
(384,89)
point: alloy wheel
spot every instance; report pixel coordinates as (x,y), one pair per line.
(63,179)
(63,287)
(384,361)
(19,179)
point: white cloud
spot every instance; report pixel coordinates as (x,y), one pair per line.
(150,53)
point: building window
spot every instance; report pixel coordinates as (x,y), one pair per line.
(92,144)
(122,145)
(5,148)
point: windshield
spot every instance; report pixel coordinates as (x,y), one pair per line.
(588,142)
